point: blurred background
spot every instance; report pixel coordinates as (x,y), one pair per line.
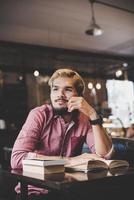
(95,38)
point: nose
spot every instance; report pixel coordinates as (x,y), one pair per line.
(61,93)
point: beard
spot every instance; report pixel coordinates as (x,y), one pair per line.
(64,111)
(60,111)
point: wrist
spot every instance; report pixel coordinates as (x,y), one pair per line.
(96,121)
(93,114)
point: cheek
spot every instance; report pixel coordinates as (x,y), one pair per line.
(53,102)
(52,97)
(72,95)
(69,96)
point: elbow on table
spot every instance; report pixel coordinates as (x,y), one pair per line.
(15,162)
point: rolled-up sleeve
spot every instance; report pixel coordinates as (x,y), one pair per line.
(27,139)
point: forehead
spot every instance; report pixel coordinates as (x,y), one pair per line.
(63,82)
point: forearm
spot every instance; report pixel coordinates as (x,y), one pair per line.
(23,147)
(16,159)
(40,156)
(103,142)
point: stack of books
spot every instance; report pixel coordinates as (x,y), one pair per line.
(39,166)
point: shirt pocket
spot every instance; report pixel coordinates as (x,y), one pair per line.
(76,145)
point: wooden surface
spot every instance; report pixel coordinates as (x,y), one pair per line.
(118,182)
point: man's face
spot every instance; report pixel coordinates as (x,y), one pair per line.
(61,91)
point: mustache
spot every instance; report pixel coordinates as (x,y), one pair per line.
(61,99)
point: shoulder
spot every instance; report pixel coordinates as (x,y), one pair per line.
(42,111)
(42,108)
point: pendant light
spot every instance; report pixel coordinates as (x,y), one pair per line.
(94,29)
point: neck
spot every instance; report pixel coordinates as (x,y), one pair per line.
(70,116)
(67,118)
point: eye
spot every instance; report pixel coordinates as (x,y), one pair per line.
(69,89)
(54,89)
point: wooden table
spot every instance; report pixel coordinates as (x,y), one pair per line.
(98,184)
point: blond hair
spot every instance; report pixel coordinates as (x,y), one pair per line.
(78,81)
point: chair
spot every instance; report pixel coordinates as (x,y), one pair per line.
(124,149)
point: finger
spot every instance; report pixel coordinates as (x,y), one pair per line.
(74,107)
(70,105)
(73,99)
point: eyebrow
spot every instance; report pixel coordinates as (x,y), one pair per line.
(67,87)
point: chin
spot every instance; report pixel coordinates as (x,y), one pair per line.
(60,110)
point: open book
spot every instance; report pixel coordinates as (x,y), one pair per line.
(89,162)
(41,166)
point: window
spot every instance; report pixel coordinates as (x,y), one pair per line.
(121,100)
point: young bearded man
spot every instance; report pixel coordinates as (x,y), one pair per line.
(61,128)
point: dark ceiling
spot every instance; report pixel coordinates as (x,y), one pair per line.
(61,24)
